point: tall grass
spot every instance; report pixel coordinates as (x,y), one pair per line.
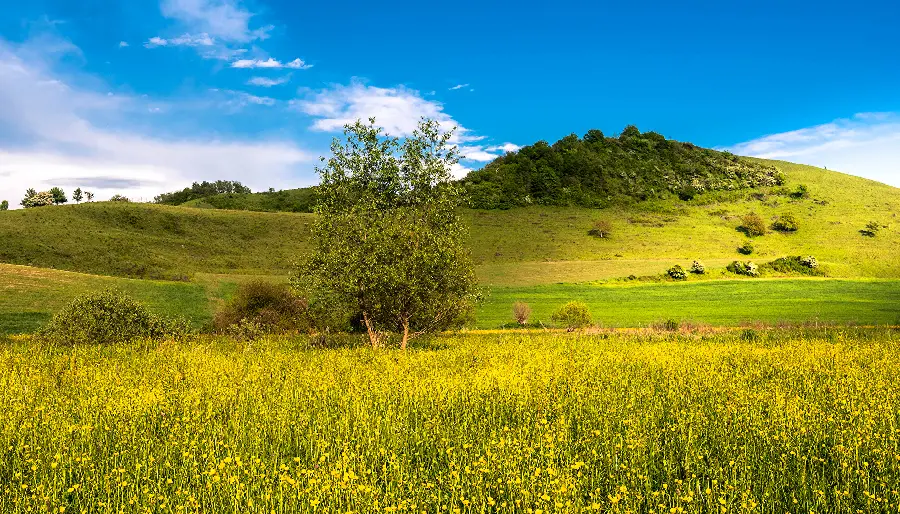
(792,421)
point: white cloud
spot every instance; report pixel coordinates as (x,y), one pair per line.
(182,40)
(221,19)
(868,145)
(156,41)
(458,86)
(267,82)
(476,153)
(397,109)
(123,44)
(296,64)
(54,133)
(505,147)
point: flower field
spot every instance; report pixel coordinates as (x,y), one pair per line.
(767,421)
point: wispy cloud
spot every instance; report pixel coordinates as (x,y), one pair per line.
(56,133)
(505,147)
(296,64)
(267,82)
(458,86)
(225,20)
(396,109)
(182,40)
(867,144)
(123,44)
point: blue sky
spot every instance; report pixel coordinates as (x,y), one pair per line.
(142,97)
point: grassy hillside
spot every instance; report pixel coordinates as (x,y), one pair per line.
(530,245)
(151,241)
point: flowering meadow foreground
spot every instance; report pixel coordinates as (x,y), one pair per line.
(744,421)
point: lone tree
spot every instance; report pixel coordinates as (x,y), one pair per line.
(77,196)
(4,205)
(59,196)
(89,195)
(388,245)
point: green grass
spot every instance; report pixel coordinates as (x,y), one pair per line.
(716,302)
(535,245)
(152,241)
(30,296)
(799,421)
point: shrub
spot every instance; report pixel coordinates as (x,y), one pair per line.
(786,223)
(801,192)
(672,325)
(746,248)
(749,335)
(743,268)
(601,228)
(572,315)
(521,312)
(753,225)
(263,307)
(108,317)
(118,198)
(871,229)
(4,205)
(698,268)
(797,265)
(677,272)
(687,193)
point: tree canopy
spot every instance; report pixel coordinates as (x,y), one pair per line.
(595,171)
(201,190)
(388,245)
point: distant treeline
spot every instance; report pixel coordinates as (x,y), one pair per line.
(595,171)
(201,190)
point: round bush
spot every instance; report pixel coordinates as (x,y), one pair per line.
(752,224)
(677,272)
(746,248)
(263,307)
(743,268)
(786,223)
(108,317)
(572,315)
(698,268)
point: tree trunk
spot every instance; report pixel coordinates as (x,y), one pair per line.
(370,329)
(405,334)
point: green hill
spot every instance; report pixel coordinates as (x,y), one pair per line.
(598,171)
(529,245)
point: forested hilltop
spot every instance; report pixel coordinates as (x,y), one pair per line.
(596,171)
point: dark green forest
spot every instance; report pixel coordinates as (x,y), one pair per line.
(596,171)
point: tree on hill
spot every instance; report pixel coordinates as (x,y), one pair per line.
(4,205)
(596,171)
(201,190)
(89,195)
(59,196)
(77,195)
(388,244)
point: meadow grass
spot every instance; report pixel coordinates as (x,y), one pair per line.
(770,421)
(520,246)
(715,302)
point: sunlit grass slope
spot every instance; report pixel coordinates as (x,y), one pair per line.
(741,422)
(534,245)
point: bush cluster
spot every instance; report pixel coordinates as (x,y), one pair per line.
(260,307)
(786,223)
(746,248)
(698,268)
(753,225)
(746,268)
(573,315)
(677,272)
(795,265)
(108,317)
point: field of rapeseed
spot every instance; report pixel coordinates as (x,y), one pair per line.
(780,421)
